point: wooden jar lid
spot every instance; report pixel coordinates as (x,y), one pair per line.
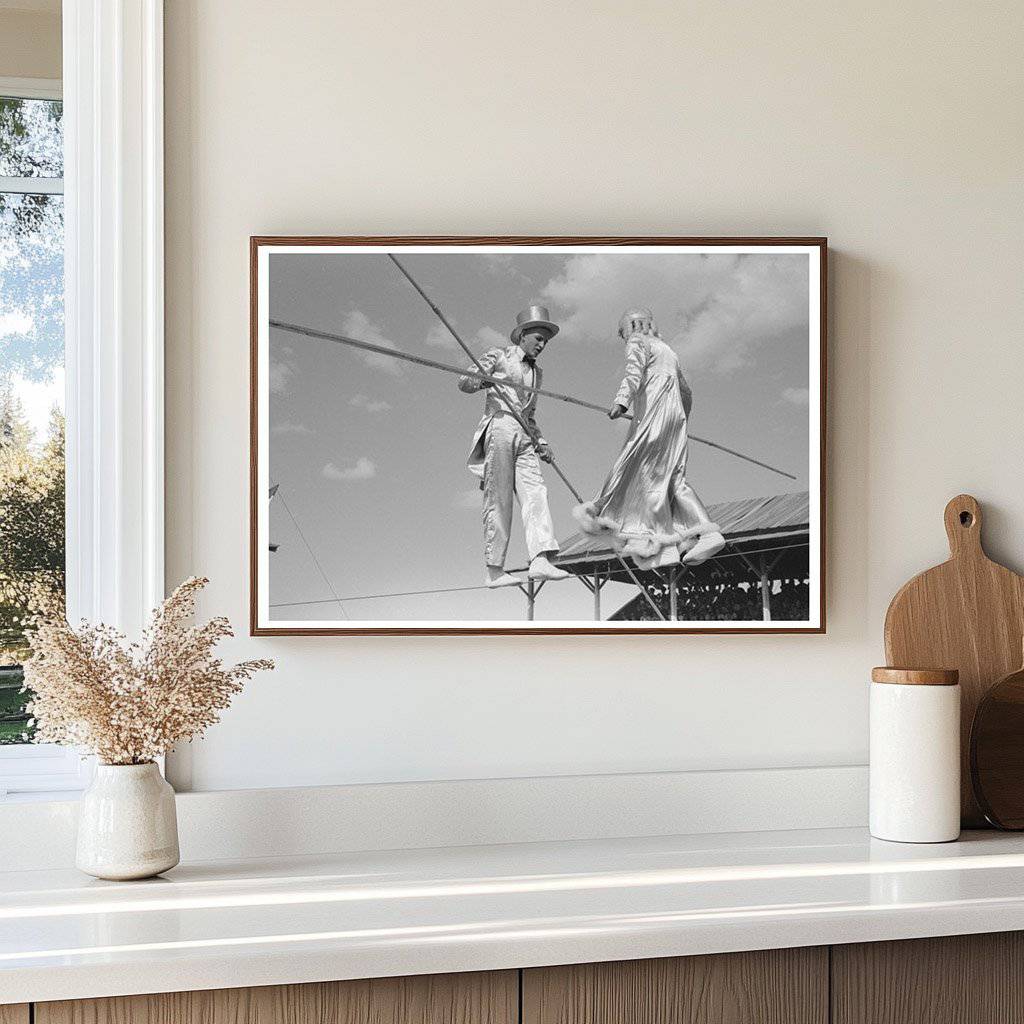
(916,676)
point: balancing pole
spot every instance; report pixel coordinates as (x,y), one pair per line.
(433,364)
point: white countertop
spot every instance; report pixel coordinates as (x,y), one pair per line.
(272,921)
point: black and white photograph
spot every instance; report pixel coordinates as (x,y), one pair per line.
(537,435)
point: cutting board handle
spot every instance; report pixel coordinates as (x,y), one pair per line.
(963,526)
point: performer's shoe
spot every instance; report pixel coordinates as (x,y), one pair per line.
(497,577)
(708,545)
(542,569)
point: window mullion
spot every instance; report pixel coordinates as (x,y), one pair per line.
(32,186)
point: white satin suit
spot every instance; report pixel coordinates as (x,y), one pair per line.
(505,457)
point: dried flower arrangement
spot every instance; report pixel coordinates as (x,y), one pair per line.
(129,703)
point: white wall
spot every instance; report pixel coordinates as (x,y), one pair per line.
(30,39)
(895,129)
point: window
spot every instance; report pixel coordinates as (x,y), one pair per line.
(109,170)
(32,511)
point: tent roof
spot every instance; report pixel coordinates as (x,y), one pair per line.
(742,520)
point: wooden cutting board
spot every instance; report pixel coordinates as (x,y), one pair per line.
(967,614)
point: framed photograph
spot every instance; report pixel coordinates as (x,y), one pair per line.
(537,435)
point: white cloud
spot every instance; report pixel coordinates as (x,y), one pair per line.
(440,337)
(717,311)
(502,264)
(763,301)
(281,374)
(370,404)
(796,396)
(282,370)
(362,470)
(359,326)
(487,337)
(289,427)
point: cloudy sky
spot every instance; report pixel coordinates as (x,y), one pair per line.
(31,267)
(370,452)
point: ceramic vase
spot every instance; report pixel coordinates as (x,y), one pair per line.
(127,826)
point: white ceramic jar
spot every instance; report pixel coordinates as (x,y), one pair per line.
(127,824)
(915,755)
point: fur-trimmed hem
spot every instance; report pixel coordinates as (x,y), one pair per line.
(635,545)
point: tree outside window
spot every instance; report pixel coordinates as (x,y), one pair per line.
(31,386)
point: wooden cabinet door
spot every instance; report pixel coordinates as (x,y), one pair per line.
(962,979)
(479,998)
(777,986)
(14,1013)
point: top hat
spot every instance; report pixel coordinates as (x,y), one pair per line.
(533,316)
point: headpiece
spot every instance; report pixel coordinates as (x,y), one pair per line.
(533,316)
(629,319)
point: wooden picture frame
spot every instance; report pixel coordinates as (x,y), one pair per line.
(264,623)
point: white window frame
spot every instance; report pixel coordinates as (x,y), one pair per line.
(114,327)
(31,88)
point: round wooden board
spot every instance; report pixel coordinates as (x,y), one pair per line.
(997,753)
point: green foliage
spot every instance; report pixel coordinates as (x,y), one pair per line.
(31,546)
(14,722)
